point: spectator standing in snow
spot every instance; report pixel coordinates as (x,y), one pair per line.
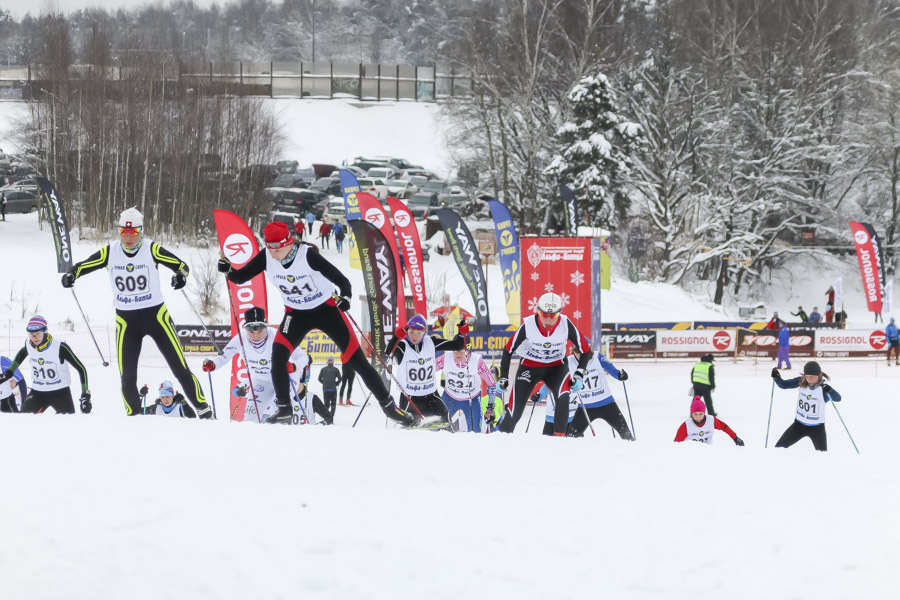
(703,378)
(700,428)
(814,316)
(3,204)
(801,314)
(329,377)
(324,234)
(299,229)
(347,377)
(809,421)
(310,219)
(339,234)
(893,339)
(775,322)
(784,346)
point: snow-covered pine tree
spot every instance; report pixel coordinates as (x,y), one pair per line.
(595,149)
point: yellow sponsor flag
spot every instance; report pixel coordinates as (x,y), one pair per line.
(451,324)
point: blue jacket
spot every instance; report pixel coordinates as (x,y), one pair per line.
(891,332)
(784,337)
(814,317)
(789,384)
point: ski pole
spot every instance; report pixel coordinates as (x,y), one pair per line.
(205,328)
(356,420)
(377,355)
(212,394)
(243,353)
(845,426)
(105,363)
(628,404)
(587,416)
(769,422)
(300,402)
(533,405)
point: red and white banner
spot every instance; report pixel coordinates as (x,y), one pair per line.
(868,251)
(562,266)
(238,244)
(411,249)
(766,344)
(373,212)
(696,343)
(851,344)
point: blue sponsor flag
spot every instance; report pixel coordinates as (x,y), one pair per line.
(349,189)
(508,251)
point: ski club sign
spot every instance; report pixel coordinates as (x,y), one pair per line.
(695,343)
(561,265)
(865,343)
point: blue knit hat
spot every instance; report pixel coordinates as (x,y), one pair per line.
(166,388)
(36,323)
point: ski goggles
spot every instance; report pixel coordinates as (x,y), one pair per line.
(130,230)
(276,245)
(549,316)
(252,327)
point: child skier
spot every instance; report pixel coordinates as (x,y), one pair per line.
(169,404)
(700,427)
(812,396)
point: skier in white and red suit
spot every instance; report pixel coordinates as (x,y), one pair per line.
(541,343)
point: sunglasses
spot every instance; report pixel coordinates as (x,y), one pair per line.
(276,245)
(552,316)
(130,230)
(255,327)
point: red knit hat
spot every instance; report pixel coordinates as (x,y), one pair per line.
(277,235)
(698,405)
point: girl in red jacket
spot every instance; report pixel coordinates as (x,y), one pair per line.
(700,428)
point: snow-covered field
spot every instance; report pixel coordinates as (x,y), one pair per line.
(101,506)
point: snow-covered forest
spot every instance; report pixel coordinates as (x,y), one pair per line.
(714,138)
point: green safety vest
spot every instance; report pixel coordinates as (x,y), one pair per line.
(700,373)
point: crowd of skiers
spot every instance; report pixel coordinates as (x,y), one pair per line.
(556,361)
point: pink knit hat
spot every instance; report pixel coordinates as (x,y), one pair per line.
(698,405)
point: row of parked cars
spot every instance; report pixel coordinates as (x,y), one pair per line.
(17,185)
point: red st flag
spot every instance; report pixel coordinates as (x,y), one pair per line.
(373,212)
(238,244)
(411,249)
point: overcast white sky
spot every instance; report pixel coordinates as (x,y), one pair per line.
(18,8)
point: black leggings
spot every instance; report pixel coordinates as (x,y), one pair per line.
(555,377)
(797,431)
(59,400)
(608,412)
(347,377)
(705,392)
(430,405)
(131,328)
(333,323)
(8,405)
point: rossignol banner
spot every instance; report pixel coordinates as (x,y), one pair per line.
(349,189)
(510,266)
(380,279)
(373,212)
(693,344)
(871,259)
(871,343)
(765,344)
(465,253)
(570,209)
(238,244)
(58,225)
(411,250)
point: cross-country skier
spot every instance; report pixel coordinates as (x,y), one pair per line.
(49,359)
(169,404)
(416,370)
(597,397)
(463,374)
(700,428)
(8,402)
(258,339)
(541,343)
(315,295)
(550,410)
(133,264)
(813,393)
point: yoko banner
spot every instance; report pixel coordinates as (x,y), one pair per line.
(238,244)
(380,279)
(58,225)
(508,253)
(871,259)
(411,250)
(465,253)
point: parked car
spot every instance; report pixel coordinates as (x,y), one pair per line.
(401,188)
(452,195)
(308,174)
(335,212)
(418,180)
(22,185)
(256,177)
(400,163)
(410,173)
(289,218)
(320,206)
(290,180)
(368,163)
(355,170)
(380,173)
(421,203)
(327,185)
(287,166)
(21,201)
(323,170)
(302,197)
(433,185)
(376,187)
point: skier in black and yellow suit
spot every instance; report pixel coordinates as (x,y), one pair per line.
(140,311)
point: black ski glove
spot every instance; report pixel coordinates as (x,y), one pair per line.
(775,373)
(179,280)
(738,441)
(224,265)
(240,391)
(623,376)
(489,414)
(179,397)
(86,405)
(342,302)
(68,278)
(144,390)
(826,389)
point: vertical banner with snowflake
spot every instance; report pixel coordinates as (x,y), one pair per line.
(508,253)
(467,258)
(563,266)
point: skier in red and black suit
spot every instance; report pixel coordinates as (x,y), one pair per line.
(541,342)
(315,295)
